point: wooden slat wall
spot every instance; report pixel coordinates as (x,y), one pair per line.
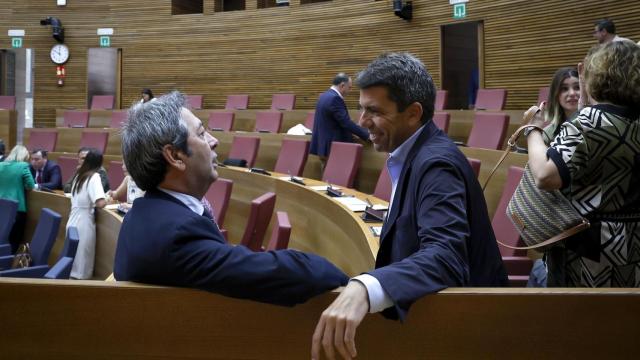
(299,48)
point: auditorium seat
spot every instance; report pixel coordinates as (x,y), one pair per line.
(44,139)
(259,217)
(475,165)
(68,166)
(42,240)
(442,120)
(308,122)
(441,100)
(221,121)
(95,139)
(8,102)
(245,147)
(543,94)
(383,186)
(118,118)
(115,174)
(8,211)
(268,121)
(194,101)
(218,195)
(281,232)
(488,130)
(292,157)
(76,118)
(283,101)
(104,102)
(237,102)
(342,165)
(517,263)
(491,99)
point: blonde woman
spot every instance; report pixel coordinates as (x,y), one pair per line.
(15,179)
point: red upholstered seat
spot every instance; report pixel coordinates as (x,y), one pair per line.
(268,121)
(194,101)
(383,186)
(245,147)
(102,102)
(115,174)
(68,166)
(283,101)
(308,122)
(95,139)
(475,165)
(259,217)
(8,102)
(543,94)
(491,99)
(442,120)
(118,117)
(218,195)
(222,120)
(441,100)
(488,131)
(342,165)
(292,157)
(280,233)
(237,102)
(44,139)
(74,118)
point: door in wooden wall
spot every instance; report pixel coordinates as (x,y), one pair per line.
(104,73)
(461,64)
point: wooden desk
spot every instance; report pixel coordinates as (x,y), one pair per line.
(8,128)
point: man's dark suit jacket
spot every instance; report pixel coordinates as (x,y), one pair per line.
(163,242)
(438,233)
(332,123)
(51,177)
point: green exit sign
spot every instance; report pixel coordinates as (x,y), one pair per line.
(105,41)
(459,11)
(16,42)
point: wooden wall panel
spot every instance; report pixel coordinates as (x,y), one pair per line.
(299,48)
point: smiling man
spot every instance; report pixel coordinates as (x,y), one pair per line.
(437,233)
(167,237)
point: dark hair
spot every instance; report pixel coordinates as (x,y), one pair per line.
(555,113)
(607,25)
(148,92)
(92,163)
(42,152)
(406,79)
(2,148)
(340,78)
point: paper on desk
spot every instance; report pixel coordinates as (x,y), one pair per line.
(111,207)
(322,187)
(380,207)
(354,204)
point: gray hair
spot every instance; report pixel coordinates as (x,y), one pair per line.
(150,127)
(406,79)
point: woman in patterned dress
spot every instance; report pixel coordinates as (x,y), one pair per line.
(595,161)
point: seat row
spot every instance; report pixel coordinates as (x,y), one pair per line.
(234,102)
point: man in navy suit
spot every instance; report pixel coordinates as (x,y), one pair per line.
(331,120)
(167,237)
(45,172)
(437,233)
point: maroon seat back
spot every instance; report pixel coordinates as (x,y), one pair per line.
(475,165)
(292,157)
(308,122)
(504,229)
(68,166)
(491,99)
(259,217)
(237,102)
(218,195)
(268,121)
(95,139)
(281,232)
(543,94)
(76,118)
(222,120)
(441,100)
(245,147)
(194,101)
(488,131)
(442,120)
(118,117)
(44,139)
(104,102)
(342,165)
(283,101)
(383,186)
(8,102)
(115,174)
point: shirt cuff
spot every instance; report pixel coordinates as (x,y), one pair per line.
(378,298)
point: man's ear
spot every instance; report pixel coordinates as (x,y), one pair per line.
(173,157)
(414,114)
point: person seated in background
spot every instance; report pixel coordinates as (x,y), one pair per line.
(45,172)
(126,191)
(15,179)
(147,95)
(167,238)
(595,162)
(2,150)
(82,153)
